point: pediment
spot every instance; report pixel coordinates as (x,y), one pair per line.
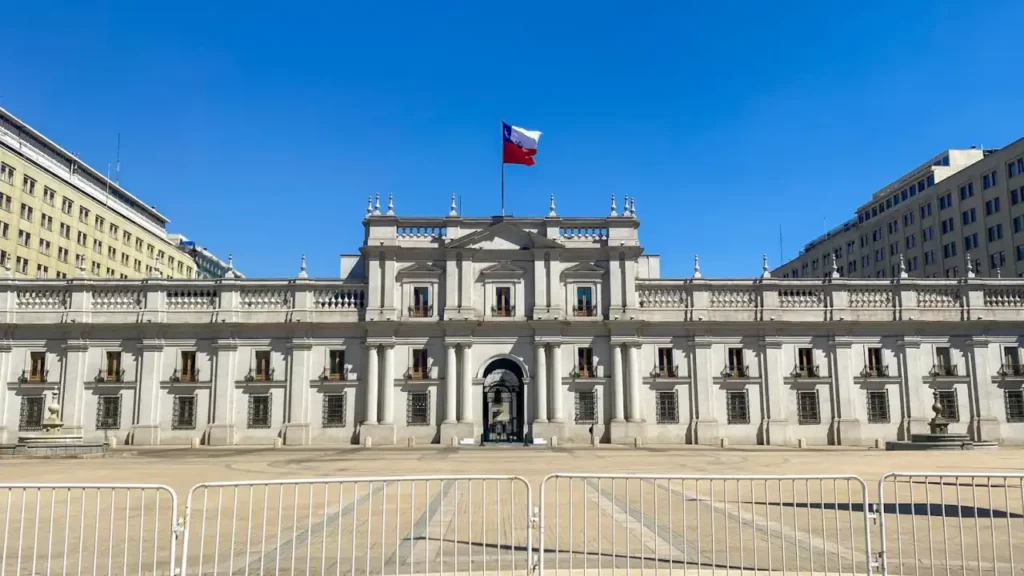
(504,236)
(583,270)
(502,271)
(419,270)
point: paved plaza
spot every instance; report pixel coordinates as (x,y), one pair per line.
(591,520)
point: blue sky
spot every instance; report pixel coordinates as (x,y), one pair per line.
(260,129)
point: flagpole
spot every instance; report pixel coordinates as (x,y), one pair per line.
(502,168)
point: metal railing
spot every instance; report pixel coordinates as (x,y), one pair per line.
(88,529)
(788,523)
(386,525)
(951,522)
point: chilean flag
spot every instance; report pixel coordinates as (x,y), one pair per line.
(518,145)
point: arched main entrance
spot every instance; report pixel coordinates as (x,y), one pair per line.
(504,412)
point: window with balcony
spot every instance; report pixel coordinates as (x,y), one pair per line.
(943,362)
(807,407)
(184,413)
(503,306)
(113,372)
(585,362)
(875,365)
(1011,362)
(584,301)
(736,367)
(188,372)
(420,370)
(336,365)
(667,407)
(259,411)
(421,307)
(805,365)
(738,407)
(37,367)
(263,371)
(666,363)
(878,406)
(108,412)
(334,411)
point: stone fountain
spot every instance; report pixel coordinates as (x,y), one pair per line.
(938,436)
(53,441)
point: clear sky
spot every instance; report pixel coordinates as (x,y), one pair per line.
(259,129)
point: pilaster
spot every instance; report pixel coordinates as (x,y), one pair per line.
(557,414)
(8,432)
(147,431)
(846,426)
(387,384)
(985,425)
(72,396)
(775,422)
(706,426)
(297,430)
(466,414)
(917,412)
(222,430)
(451,429)
(618,388)
(633,353)
(540,380)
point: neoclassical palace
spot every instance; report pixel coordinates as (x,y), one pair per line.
(538,330)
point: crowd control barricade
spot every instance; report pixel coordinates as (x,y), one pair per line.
(385,525)
(759,523)
(951,522)
(105,529)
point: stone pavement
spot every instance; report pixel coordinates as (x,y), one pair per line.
(307,526)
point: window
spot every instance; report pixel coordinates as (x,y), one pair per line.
(421,302)
(37,367)
(948,225)
(968,216)
(417,411)
(6,174)
(738,406)
(878,406)
(46,222)
(149,251)
(82,239)
(943,362)
(420,370)
(997,260)
(805,362)
(736,366)
(24,238)
(62,254)
(65,231)
(1018,224)
(894,248)
(908,219)
(1011,359)
(5,229)
(911,241)
(26,212)
(96,268)
(989,180)
(184,413)
(967,191)
(502,301)
(336,366)
(264,372)
(66,205)
(950,408)
(1015,196)
(894,226)
(334,412)
(188,366)
(667,408)
(97,245)
(949,250)
(124,259)
(5,202)
(49,196)
(28,186)
(876,235)
(21,265)
(945,201)
(995,232)
(926,210)
(928,233)
(912,264)
(108,412)
(138,244)
(32,408)
(83,214)
(584,301)
(586,407)
(114,372)
(44,247)
(1014,400)
(585,362)
(100,222)
(807,407)
(111,253)
(259,411)
(953,272)
(126,237)
(875,366)
(666,364)
(971,241)
(992,206)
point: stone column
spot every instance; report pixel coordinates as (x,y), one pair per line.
(450,384)
(467,384)
(541,380)
(72,394)
(372,384)
(618,400)
(387,383)
(702,380)
(846,422)
(222,430)
(147,431)
(296,431)
(634,382)
(556,415)
(985,424)
(775,421)
(918,410)
(8,431)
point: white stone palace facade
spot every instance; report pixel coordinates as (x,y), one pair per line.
(455,329)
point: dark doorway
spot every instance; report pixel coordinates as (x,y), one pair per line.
(504,412)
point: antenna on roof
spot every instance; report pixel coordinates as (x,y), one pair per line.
(106,199)
(781,259)
(117,170)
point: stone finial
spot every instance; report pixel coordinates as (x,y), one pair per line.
(230,273)
(696,266)
(302,268)
(764,267)
(369,205)
(999,272)
(158,270)
(903,268)
(82,273)
(614,212)
(391,204)
(452,211)
(970,267)
(835,268)
(551,208)
(632,206)
(376,204)
(625,206)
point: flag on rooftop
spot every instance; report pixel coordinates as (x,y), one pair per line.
(519,145)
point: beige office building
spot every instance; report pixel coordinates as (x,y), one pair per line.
(60,218)
(959,213)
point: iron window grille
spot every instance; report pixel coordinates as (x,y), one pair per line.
(1014,400)
(738,403)
(878,406)
(950,407)
(259,411)
(334,410)
(667,407)
(586,407)
(183,416)
(417,412)
(108,412)
(31,418)
(807,407)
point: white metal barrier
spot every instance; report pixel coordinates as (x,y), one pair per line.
(951,522)
(757,523)
(88,529)
(387,525)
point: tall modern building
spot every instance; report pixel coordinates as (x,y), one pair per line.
(960,212)
(60,217)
